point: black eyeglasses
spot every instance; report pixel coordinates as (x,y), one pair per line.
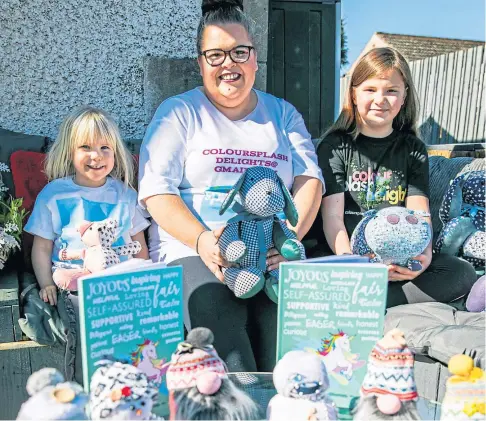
(216,56)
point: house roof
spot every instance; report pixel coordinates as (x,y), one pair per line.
(415,47)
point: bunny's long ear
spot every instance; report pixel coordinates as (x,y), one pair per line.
(231,194)
(289,208)
(452,202)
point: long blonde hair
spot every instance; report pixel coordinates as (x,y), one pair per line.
(374,63)
(83,126)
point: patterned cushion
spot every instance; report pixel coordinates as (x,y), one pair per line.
(12,141)
(28,175)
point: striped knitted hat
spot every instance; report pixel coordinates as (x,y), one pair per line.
(196,364)
(465,390)
(390,369)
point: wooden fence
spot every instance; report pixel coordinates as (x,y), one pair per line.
(451,91)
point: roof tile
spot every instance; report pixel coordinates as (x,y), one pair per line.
(415,47)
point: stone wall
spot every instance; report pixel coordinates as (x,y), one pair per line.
(60,54)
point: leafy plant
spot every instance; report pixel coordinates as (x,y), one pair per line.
(11,220)
(12,216)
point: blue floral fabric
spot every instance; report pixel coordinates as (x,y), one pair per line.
(462,214)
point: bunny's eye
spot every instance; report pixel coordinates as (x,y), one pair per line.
(393,219)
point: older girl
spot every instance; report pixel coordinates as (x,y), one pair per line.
(372,158)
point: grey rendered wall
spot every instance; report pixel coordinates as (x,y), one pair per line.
(57,55)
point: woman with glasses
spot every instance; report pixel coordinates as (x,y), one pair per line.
(195,148)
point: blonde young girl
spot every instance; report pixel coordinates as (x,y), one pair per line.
(90,172)
(372,158)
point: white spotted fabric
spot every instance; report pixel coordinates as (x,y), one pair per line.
(394,234)
(475,246)
(246,241)
(107,232)
(462,214)
(121,392)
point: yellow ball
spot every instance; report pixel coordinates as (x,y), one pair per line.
(461,365)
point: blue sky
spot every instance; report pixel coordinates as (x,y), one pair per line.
(462,19)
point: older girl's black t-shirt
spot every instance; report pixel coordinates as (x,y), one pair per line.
(373,173)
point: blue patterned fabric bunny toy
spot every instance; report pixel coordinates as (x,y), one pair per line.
(462,214)
(257,197)
(394,235)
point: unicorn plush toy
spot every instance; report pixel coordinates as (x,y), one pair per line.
(257,197)
(99,253)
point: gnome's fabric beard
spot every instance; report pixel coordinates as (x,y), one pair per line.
(283,408)
(229,403)
(368,410)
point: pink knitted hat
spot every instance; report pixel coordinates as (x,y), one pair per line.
(196,364)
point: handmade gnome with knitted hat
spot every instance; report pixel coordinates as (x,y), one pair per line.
(465,397)
(301,381)
(199,386)
(388,391)
(121,392)
(51,398)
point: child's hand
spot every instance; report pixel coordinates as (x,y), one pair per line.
(49,294)
(398,273)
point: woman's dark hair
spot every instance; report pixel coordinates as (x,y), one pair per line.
(220,12)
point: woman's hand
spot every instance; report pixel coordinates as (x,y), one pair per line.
(49,294)
(208,249)
(398,273)
(274,258)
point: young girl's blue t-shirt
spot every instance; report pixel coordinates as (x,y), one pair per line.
(62,206)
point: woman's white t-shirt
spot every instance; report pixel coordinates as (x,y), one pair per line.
(193,150)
